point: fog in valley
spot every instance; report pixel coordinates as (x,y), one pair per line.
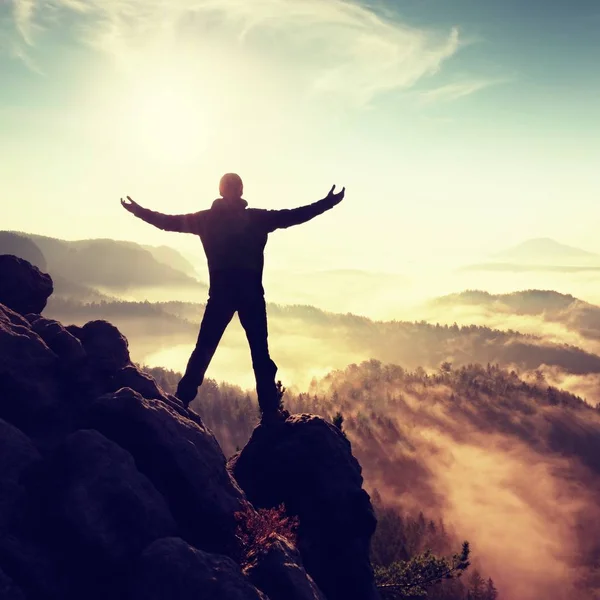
(459,386)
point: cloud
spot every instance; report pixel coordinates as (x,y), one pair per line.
(454,91)
(23,11)
(335,46)
(470,456)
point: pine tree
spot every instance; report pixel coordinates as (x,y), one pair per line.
(491,593)
(477,586)
(338,421)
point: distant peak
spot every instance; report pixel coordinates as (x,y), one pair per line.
(543,248)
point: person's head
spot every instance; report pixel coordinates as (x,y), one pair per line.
(231,186)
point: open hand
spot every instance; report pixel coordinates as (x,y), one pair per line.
(336,197)
(130,206)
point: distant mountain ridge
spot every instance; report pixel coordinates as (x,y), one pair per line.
(539,254)
(544,250)
(171,257)
(525,301)
(547,306)
(101,264)
(411,344)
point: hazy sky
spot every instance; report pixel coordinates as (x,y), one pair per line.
(456,125)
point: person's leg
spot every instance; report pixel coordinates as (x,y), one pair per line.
(253,317)
(217,316)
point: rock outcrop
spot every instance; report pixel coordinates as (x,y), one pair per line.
(110,488)
(17,454)
(23,287)
(307,464)
(184,461)
(29,384)
(97,498)
(8,590)
(280,574)
(171,569)
(64,344)
(105,346)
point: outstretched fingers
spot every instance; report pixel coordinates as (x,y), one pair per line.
(129,204)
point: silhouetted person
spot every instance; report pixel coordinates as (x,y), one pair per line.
(234,238)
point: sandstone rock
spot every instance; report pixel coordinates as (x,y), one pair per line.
(65,345)
(105,346)
(94,516)
(8,590)
(23,287)
(75,330)
(10,316)
(182,459)
(17,453)
(131,377)
(307,464)
(28,375)
(171,569)
(35,569)
(279,573)
(145,385)
(105,510)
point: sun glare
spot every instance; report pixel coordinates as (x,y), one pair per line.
(168,121)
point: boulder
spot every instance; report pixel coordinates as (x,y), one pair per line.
(65,345)
(106,347)
(28,375)
(131,377)
(171,569)
(23,287)
(145,385)
(10,316)
(17,453)
(182,459)
(279,573)
(100,510)
(8,590)
(36,568)
(307,464)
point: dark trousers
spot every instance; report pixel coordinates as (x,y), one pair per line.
(227,297)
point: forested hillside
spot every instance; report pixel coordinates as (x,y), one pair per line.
(508,464)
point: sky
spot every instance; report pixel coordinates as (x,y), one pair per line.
(459,127)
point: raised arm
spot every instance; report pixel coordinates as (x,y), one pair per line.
(189,223)
(279,219)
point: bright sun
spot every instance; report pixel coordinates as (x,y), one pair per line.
(166,120)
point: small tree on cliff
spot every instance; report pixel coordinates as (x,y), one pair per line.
(411,579)
(280,393)
(338,421)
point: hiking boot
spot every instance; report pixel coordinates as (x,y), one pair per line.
(186,391)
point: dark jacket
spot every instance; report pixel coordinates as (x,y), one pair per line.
(234,236)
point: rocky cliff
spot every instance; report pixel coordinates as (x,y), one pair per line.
(109,488)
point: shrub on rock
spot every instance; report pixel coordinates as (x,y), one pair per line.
(307,464)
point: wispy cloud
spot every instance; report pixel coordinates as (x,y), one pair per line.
(454,91)
(336,46)
(23,11)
